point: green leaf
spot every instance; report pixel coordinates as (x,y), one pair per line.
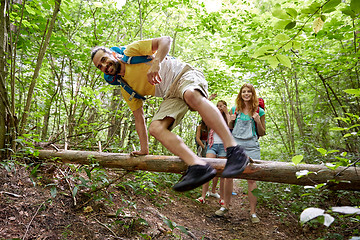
(292,12)
(264,50)
(282,37)
(297,159)
(355,92)
(337,129)
(169,223)
(355,6)
(282,24)
(296,45)
(280,13)
(290,25)
(183,229)
(322,151)
(331,4)
(284,60)
(347,11)
(74,191)
(273,61)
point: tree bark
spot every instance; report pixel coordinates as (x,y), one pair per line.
(280,172)
(38,65)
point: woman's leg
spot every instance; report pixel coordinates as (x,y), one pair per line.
(251,197)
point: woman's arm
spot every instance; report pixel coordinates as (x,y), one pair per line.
(197,138)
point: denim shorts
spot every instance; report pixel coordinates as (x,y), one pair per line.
(217,149)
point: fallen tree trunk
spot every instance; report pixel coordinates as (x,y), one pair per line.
(269,171)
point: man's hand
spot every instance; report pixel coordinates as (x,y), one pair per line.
(153,73)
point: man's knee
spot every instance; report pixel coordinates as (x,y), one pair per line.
(159,126)
(193,97)
(155,128)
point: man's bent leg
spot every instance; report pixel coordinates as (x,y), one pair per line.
(210,114)
(198,171)
(159,130)
(237,160)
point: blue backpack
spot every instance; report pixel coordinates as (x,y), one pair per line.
(117,80)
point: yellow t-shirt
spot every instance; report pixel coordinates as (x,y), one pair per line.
(136,74)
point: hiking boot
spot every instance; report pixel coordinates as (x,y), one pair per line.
(221,212)
(254,218)
(195,176)
(237,160)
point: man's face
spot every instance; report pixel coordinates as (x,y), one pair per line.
(106,63)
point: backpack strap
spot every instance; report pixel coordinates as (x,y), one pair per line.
(130,60)
(118,80)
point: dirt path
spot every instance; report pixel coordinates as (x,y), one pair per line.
(28,212)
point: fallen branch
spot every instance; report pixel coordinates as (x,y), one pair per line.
(268,171)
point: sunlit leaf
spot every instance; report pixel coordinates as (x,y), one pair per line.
(292,12)
(318,24)
(296,45)
(355,92)
(98,4)
(273,61)
(282,37)
(331,4)
(322,151)
(297,159)
(284,60)
(282,24)
(280,13)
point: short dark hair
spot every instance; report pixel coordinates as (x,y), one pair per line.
(97,48)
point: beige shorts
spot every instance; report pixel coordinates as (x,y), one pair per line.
(174,105)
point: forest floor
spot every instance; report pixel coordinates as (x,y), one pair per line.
(32,212)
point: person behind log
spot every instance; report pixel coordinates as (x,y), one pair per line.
(215,149)
(246,122)
(182,87)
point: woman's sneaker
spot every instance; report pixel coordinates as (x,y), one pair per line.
(200,200)
(195,176)
(215,195)
(221,212)
(254,218)
(237,160)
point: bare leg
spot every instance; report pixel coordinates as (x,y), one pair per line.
(214,183)
(210,114)
(205,188)
(252,198)
(159,129)
(228,188)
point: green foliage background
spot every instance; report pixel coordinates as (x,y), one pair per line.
(301,56)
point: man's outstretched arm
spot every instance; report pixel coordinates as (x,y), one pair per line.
(141,130)
(162,47)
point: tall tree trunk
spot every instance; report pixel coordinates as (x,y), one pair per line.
(3,71)
(41,55)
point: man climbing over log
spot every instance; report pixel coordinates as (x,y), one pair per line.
(182,87)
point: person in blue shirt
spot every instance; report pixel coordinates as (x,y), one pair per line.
(247,122)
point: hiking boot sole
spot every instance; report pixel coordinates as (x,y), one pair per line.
(180,187)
